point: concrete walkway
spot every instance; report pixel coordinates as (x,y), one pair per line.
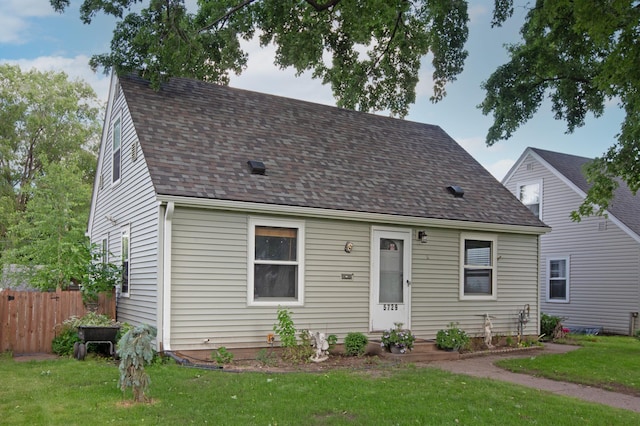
(484,367)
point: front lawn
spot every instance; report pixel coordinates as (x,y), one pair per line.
(66,391)
(608,362)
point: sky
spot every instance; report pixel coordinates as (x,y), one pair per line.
(32,35)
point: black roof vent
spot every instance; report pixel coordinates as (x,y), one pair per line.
(457,191)
(257,167)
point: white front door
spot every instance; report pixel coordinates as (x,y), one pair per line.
(390,278)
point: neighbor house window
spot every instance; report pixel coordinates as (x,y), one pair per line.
(478,267)
(530,194)
(558,279)
(117,150)
(276,262)
(104,250)
(125,256)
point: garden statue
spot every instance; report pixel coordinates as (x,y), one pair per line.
(320,345)
(488,326)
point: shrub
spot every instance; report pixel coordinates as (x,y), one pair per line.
(548,324)
(265,357)
(453,338)
(135,349)
(63,343)
(222,356)
(285,329)
(355,344)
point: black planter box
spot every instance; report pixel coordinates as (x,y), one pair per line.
(89,333)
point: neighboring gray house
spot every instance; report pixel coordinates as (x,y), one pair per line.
(224,204)
(589,271)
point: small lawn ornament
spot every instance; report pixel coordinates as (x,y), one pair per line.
(488,329)
(320,345)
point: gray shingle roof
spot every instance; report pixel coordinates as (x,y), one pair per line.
(197,138)
(625,206)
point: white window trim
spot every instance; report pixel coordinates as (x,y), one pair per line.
(117,119)
(494,265)
(531,182)
(251,252)
(126,231)
(567,260)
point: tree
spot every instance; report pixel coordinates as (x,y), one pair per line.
(369,51)
(44,119)
(49,243)
(582,55)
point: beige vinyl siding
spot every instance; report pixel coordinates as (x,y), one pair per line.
(209,282)
(131,203)
(436,283)
(604,260)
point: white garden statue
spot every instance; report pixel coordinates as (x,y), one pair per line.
(488,328)
(320,345)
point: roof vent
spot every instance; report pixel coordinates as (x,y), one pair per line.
(257,167)
(457,191)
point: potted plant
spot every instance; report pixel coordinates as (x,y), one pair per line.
(452,339)
(397,339)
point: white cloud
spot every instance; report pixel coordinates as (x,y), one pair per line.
(500,168)
(14,16)
(261,75)
(473,145)
(75,68)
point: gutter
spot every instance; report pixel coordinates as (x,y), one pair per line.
(243,206)
(166,278)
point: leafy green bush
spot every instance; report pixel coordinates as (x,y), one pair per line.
(63,343)
(452,338)
(222,356)
(355,344)
(285,329)
(548,324)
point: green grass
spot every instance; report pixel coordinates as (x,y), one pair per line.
(608,362)
(70,392)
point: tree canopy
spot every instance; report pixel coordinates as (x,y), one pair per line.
(580,55)
(48,143)
(368,51)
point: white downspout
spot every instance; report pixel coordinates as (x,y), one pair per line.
(166,297)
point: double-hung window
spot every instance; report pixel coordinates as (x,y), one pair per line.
(116,139)
(530,194)
(558,279)
(104,250)
(125,257)
(478,267)
(276,262)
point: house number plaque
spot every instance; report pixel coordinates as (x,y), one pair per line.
(390,307)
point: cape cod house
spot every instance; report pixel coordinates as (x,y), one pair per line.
(224,204)
(590,270)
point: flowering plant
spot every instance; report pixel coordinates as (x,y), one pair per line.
(398,337)
(453,338)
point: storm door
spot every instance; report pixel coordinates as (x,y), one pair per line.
(391,279)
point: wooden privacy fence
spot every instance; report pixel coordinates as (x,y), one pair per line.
(28,319)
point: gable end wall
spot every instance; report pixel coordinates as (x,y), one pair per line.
(129,203)
(604,260)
